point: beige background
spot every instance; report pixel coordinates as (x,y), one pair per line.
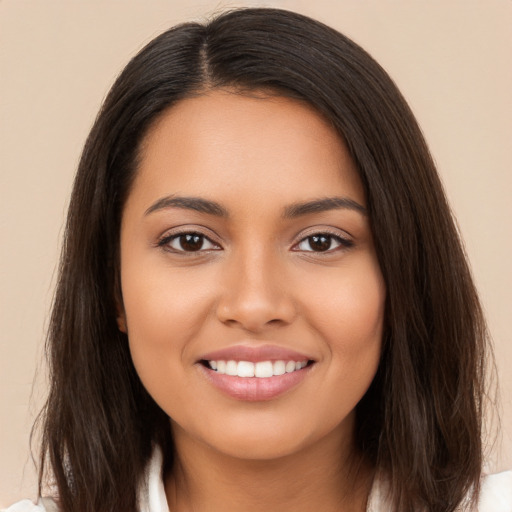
(450,58)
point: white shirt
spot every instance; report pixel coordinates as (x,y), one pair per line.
(496,494)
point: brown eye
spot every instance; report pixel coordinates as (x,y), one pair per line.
(322,242)
(188,242)
(191,242)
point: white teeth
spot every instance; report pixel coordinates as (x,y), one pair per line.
(231,368)
(261,369)
(279,368)
(245,369)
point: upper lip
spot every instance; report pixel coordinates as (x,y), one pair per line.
(254,354)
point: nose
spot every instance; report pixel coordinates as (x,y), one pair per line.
(256,295)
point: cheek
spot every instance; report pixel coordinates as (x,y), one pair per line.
(164,309)
(349,314)
(357,314)
(349,304)
(162,299)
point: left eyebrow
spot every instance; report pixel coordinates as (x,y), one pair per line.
(323,205)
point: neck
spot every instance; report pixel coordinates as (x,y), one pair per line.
(327,476)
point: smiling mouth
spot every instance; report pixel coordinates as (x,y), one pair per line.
(255,380)
(260,369)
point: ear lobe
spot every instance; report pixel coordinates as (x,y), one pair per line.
(120,312)
(118,300)
(121,321)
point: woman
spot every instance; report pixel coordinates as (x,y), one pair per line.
(263,302)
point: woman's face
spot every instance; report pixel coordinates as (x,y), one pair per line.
(246,253)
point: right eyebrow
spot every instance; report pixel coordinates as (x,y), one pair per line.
(189,203)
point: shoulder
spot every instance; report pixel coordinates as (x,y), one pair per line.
(24,506)
(43,505)
(496,493)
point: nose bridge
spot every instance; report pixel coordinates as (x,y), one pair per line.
(255,295)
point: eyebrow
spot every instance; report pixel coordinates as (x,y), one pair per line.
(323,205)
(189,203)
(294,210)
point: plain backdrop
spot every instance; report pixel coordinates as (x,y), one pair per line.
(451,59)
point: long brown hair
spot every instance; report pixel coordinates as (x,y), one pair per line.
(420,421)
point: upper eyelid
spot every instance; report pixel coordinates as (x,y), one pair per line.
(317,230)
(164,241)
(173,236)
(187,229)
(344,242)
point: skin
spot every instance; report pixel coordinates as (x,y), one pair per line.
(256,279)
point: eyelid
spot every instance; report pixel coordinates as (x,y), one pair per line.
(172,234)
(343,237)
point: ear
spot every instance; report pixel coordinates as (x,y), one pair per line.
(120,312)
(121,319)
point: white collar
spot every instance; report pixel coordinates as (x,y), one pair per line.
(152,496)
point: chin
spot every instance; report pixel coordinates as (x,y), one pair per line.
(258,448)
(265,437)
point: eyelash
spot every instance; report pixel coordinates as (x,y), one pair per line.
(343,243)
(165,242)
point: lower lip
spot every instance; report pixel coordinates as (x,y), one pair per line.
(255,389)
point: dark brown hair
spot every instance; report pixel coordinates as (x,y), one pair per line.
(420,421)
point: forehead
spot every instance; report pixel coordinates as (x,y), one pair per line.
(262,146)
